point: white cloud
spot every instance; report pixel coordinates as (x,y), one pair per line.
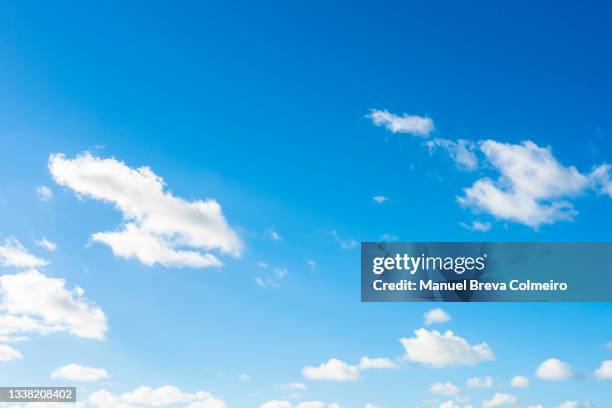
(604,372)
(433,349)
(500,400)
(519,381)
(44,193)
(366,363)
(370,405)
(444,388)
(601,179)
(293,386)
(480,382)
(144,396)
(13,254)
(461,152)
(436,315)
(159,227)
(311,264)
(410,124)
(35,302)
(266,283)
(333,370)
(535,406)
(45,243)
(7,353)
(379,199)
(76,372)
(554,370)
(531,188)
(244,377)
(448,404)
(476,225)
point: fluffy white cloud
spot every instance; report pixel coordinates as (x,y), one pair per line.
(461,151)
(480,382)
(155,397)
(411,124)
(448,404)
(379,199)
(604,372)
(287,404)
(519,381)
(531,187)
(333,370)
(45,243)
(159,228)
(500,400)
(554,370)
(366,363)
(436,315)
(76,372)
(35,302)
(13,254)
(444,388)
(7,353)
(437,350)
(44,193)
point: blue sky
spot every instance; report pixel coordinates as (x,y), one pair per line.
(267,109)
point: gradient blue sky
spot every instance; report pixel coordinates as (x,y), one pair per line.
(263,108)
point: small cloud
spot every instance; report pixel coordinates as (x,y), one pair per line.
(444,388)
(500,400)
(75,372)
(13,254)
(45,243)
(266,283)
(405,123)
(604,372)
(519,381)
(244,377)
(367,363)
(333,370)
(44,193)
(293,386)
(554,369)
(273,234)
(311,264)
(437,350)
(262,265)
(477,226)
(436,315)
(480,382)
(7,353)
(344,243)
(379,199)
(574,404)
(281,273)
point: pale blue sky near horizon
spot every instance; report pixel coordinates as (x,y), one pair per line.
(264,109)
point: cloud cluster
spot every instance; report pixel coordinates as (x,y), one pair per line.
(436,315)
(159,228)
(604,372)
(31,302)
(144,396)
(531,186)
(480,382)
(444,388)
(500,400)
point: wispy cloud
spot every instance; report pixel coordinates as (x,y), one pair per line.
(411,124)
